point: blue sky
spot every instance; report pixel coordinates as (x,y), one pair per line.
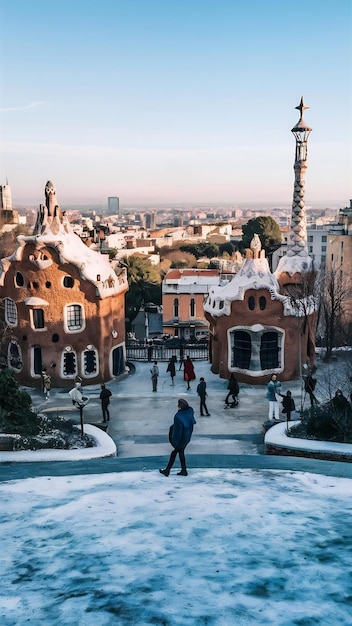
(174,100)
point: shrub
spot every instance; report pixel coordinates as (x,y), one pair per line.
(16,415)
(331,421)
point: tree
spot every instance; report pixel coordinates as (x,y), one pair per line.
(181,259)
(203,248)
(144,283)
(8,239)
(334,307)
(267,229)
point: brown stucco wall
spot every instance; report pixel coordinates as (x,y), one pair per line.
(102,316)
(298,335)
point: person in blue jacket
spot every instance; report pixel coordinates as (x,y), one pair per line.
(180,435)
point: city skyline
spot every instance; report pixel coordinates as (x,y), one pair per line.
(188,102)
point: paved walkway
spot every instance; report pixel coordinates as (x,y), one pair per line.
(140,420)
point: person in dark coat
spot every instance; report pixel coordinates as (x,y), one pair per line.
(288,404)
(172,368)
(105,396)
(233,391)
(309,386)
(188,373)
(202,392)
(180,435)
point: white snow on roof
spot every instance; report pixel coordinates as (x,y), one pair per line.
(294,264)
(93,266)
(254,274)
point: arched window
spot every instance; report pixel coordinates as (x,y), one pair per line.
(14,356)
(262,303)
(90,362)
(192,307)
(69,363)
(37,360)
(242,348)
(251,303)
(176,307)
(11,316)
(19,280)
(269,350)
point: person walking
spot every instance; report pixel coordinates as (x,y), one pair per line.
(172,368)
(154,375)
(273,394)
(202,392)
(179,436)
(234,390)
(105,396)
(188,373)
(46,380)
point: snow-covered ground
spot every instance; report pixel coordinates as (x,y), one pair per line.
(220,548)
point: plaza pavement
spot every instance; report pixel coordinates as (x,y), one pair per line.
(140,420)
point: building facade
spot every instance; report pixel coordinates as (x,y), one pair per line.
(63,305)
(183,293)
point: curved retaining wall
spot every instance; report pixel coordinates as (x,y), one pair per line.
(276,442)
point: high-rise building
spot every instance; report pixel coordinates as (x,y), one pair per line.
(5,198)
(113,205)
(150,220)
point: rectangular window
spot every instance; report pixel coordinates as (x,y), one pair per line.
(74,317)
(38,318)
(324,238)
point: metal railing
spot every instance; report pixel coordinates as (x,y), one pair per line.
(159,352)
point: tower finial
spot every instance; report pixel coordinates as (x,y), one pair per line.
(301,107)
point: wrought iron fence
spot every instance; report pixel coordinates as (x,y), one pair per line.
(156,352)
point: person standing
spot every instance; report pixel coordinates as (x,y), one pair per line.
(154,375)
(180,435)
(105,396)
(46,379)
(309,386)
(273,394)
(172,368)
(188,373)
(202,392)
(234,390)
(288,404)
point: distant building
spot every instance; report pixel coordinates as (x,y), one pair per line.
(183,292)
(8,218)
(113,205)
(63,305)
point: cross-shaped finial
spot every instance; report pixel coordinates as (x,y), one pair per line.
(301,107)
